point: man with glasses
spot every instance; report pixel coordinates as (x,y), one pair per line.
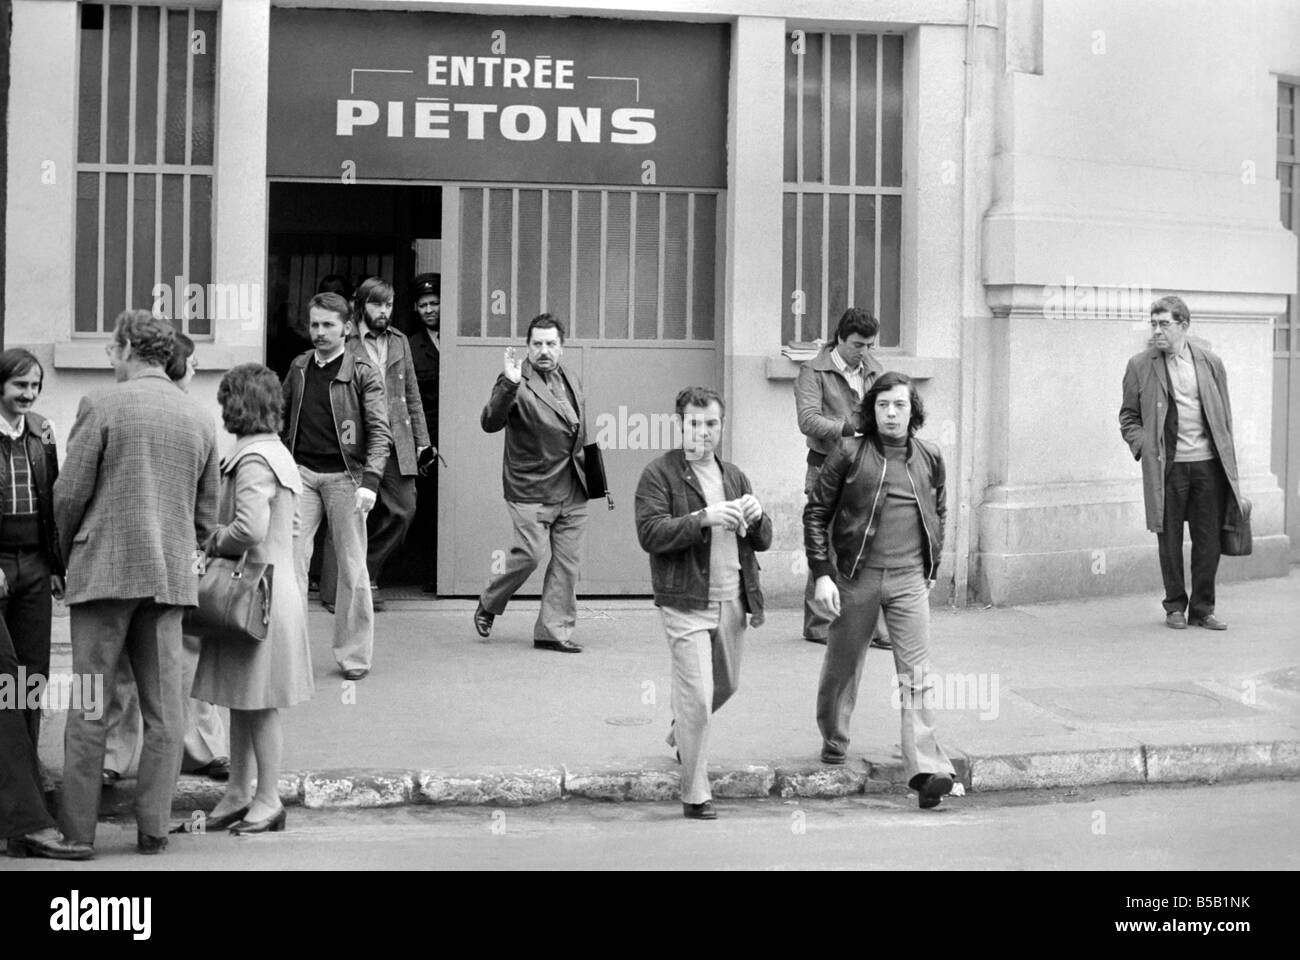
(1177,420)
(828,396)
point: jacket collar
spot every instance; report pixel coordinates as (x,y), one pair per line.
(870,365)
(532,378)
(682,467)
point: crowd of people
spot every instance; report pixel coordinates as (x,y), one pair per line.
(119,531)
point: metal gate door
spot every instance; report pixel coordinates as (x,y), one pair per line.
(1286,335)
(632,274)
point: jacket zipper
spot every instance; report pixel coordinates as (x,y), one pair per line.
(880,485)
(335,418)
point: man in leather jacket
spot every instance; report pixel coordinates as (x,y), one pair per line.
(883,495)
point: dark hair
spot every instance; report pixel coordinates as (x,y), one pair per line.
(544,321)
(331,302)
(699,397)
(1173,306)
(887,381)
(179,362)
(859,321)
(17,361)
(334,283)
(372,290)
(152,339)
(251,400)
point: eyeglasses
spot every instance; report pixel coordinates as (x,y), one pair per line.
(1163,324)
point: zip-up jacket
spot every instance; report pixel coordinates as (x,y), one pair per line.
(825,403)
(848,498)
(360,410)
(671,529)
(38,441)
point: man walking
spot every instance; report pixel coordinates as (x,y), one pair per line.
(701,524)
(136,497)
(374,338)
(336,426)
(828,396)
(540,406)
(1177,420)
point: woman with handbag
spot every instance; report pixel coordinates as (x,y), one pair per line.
(258,512)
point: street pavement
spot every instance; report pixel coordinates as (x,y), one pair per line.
(1049,695)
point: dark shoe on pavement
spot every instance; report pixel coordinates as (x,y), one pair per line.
(483,621)
(821,640)
(111,777)
(930,788)
(376,597)
(881,643)
(272,824)
(329,607)
(147,844)
(1176,621)
(1209,622)
(560,646)
(699,811)
(50,844)
(832,756)
(217,769)
(356,673)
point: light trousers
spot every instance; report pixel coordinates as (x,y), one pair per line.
(705,647)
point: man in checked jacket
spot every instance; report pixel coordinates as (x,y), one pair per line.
(136,498)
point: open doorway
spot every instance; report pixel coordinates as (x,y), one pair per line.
(353,231)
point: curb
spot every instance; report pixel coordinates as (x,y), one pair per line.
(798,778)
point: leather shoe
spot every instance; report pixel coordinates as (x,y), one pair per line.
(147,844)
(33,845)
(560,646)
(483,621)
(1176,621)
(217,769)
(214,824)
(930,788)
(329,607)
(881,643)
(356,673)
(272,824)
(699,811)
(821,640)
(832,756)
(376,598)
(110,777)
(1209,622)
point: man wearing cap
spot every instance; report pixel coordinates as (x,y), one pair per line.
(426,352)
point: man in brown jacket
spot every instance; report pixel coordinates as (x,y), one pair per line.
(1177,420)
(136,497)
(828,396)
(540,406)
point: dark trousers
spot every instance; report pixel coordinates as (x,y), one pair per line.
(22,811)
(386,527)
(149,633)
(25,613)
(1195,494)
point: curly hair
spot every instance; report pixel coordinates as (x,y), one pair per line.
(152,339)
(251,400)
(179,362)
(887,381)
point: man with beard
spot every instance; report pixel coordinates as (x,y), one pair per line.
(541,408)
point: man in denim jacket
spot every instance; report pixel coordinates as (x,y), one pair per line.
(698,519)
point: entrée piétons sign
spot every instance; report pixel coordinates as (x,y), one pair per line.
(425,96)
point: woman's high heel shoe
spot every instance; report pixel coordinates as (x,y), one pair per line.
(272,824)
(60,849)
(225,822)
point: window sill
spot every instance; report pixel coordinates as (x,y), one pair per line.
(918,368)
(89,355)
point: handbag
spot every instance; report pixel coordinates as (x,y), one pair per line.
(234,599)
(594,468)
(1236,541)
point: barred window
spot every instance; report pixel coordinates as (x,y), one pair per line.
(843,203)
(146,116)
(612,264)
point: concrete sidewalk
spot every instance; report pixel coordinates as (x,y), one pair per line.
(1051,695)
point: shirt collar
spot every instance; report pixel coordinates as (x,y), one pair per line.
(13,433)
(325,363)
(841,366)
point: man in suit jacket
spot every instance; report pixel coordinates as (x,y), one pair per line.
(375,339)
(541,407)
(426,355)
(1177,420)
(137,495)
